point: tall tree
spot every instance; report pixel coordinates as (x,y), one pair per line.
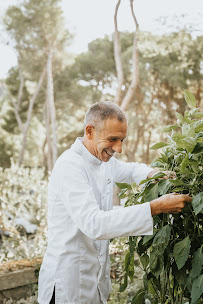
(121,99)
(38,31)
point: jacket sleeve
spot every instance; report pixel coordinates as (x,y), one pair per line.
(129,172)
(78,198)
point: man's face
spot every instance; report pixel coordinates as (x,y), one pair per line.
(108,139)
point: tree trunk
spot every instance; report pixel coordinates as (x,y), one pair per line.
(20,91)
(51,105)
(48,137)
(147,159)
(130,95)
(29,115)
(16,105)
(117,58)
(17,115)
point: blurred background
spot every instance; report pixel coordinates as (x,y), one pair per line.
(57,58)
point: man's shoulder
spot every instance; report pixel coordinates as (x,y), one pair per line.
(69,157)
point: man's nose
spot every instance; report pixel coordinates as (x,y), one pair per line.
(117,147)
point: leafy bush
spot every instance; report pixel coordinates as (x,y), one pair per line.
(23,208)
(173,257)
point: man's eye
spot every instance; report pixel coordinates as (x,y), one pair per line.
(113,139)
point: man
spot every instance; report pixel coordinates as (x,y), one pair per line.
(80,216)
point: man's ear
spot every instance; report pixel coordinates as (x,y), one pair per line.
(89,131)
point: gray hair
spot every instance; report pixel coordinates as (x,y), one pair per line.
(101,111)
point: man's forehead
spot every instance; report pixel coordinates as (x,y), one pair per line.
(114,126)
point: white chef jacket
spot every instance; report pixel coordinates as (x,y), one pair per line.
(81,222)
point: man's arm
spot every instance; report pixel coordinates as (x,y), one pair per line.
(169,203)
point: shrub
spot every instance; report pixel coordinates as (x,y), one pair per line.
(23,208)
(172,257)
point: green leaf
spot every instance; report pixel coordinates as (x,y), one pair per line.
(157,163)
(188,130)
(124,186)
(151,193)
(197,203)
(147,238)
(169,128)
(139,297)
(156,263)
(190,99)
(198,126)
(181,252)
(125,284)
(140,247)
(159,145)
(144,260)
(197,289)
(197,263)
(159,175)
(156,176)
(198,115)
(129,264)
(153,281)
(176,182)
(182,119)
(184,163)
(194,111)
(181,276)
(163,186)
(178,189)
(188,143)
(177,137)
(122,193)
(161,239)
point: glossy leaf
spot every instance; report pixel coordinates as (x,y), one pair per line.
(197,289)
(151,193)
(158,145)
(169,128)
(164,186)
(156,263)
(123,186)
(181,252)
(161,239)
(144,260)
(198,148)
(190,99)
(188,130)
(197,203)
(125,284)
(197,262)
(139,297)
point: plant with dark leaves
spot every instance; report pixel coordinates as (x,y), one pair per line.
(172,257)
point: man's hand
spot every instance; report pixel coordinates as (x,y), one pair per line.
(169,203)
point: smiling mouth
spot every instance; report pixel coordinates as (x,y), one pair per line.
(110,154)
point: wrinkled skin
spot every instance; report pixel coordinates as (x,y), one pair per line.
(103,143)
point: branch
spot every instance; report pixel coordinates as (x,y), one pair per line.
(20,91)
(16,105)
(17,115)
(117,57)
(135,66)
(29,114)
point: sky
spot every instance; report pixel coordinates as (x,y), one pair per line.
(91,19)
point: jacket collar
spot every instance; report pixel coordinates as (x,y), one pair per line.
(82,150)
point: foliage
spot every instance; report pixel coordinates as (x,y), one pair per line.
(23,212)
(172,257)
(118,248)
